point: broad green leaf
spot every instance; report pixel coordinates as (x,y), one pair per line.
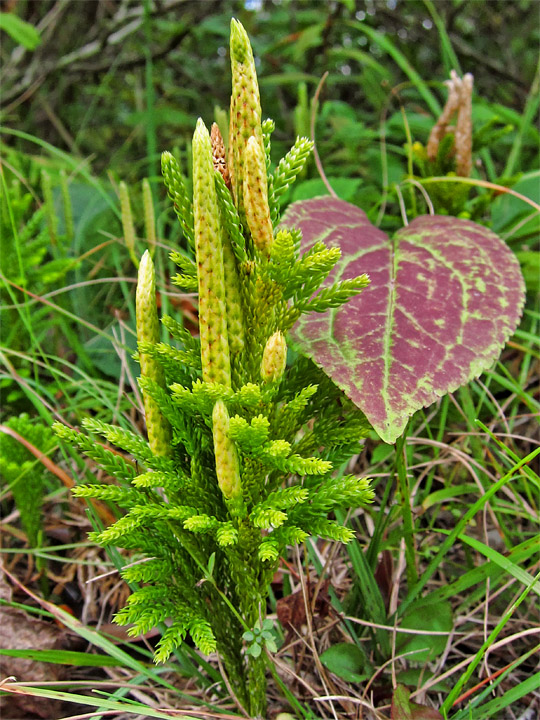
(20,31)
(105,357)
(445,296)
(254,650)
(530,266)
(509,211)
(345,188)
(429,618)
(400,704)
(345,660)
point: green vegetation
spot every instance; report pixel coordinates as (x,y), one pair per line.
(219,482)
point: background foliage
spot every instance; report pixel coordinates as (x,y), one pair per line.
(86,86)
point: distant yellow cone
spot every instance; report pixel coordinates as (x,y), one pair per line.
(158,428)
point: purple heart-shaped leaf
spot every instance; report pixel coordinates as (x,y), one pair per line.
(445,296)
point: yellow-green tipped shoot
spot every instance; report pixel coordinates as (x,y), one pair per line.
(256,197)
(274,358)
(216,365)
(149,216)
(128,228)
(246,115)
(158,428)
(227,464)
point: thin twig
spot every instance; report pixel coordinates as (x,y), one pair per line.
(424,193)
(402,207)
(318,162)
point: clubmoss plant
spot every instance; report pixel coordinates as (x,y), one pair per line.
(25,476)
(34,256)
(128,227)
(255,442)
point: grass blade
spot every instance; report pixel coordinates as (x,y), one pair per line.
(460,526)
(490,709)
(64,657)
(503,562)
(451,697)
(529,113)
(450,58)
(134,708)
